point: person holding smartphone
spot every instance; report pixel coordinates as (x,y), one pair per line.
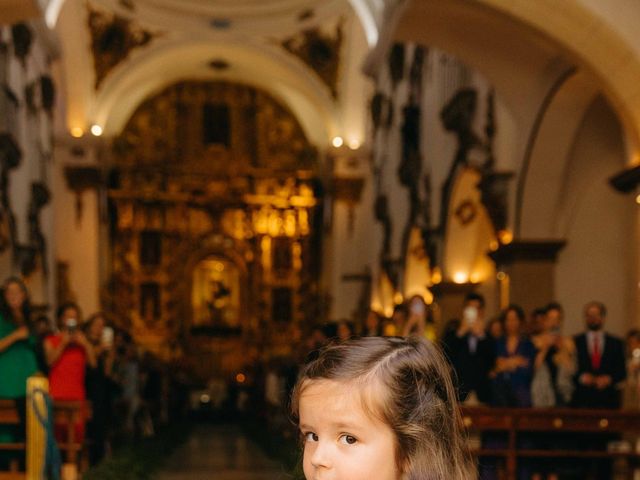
(68,353)
(100,386)
(418,320)
(470,351)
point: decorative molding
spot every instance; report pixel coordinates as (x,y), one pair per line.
(22,41)
(466,212)
(168,132)
(627,180)
(348,190)
(527,251)
(452,288)
(494,194)
(82,178)
(40,197)
(320,50)
(10,157)
(113,38)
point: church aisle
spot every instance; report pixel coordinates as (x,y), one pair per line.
(220,453)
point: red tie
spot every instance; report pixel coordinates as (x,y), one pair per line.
(595,353)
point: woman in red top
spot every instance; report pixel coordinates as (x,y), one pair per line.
(67,354)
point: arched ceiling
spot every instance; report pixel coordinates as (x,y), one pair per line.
(273,17)
(523,46)
(174,61)
(187,36)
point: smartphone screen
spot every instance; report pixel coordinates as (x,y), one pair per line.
(107,336)
(470,315)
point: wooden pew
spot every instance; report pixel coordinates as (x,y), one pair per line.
(515,422)
(66,413)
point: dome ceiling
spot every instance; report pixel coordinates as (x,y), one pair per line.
(255,17)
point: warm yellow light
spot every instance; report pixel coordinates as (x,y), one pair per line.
(475,277)
(265,245)
(337,142)
(290,225)
(428,297)
(505,236)
(275,223)
(493,245)
(501,276)
(96,130)
(460,277)
(261,220)
(354,144)
(240,378)
(303,222)
(77,132)
(297,256)
(638,199)
(436,276)
(398,298)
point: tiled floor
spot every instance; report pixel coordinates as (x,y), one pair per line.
(220,453)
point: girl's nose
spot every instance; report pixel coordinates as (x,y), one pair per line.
(321,456)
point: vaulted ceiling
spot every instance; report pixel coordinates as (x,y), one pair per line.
(306,53)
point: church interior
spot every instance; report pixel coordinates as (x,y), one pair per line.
(203,193)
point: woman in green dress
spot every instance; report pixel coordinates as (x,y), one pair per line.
(17,352)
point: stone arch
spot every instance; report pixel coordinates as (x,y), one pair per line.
(543,176)
(270,71)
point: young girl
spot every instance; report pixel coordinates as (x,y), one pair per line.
(381,408)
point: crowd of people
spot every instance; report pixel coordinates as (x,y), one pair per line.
(512,360)
(87,361)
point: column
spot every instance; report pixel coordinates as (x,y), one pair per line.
(527,271)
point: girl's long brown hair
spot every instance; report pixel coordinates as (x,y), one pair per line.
(412,391)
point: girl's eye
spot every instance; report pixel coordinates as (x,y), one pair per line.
(310,437)
(348,440)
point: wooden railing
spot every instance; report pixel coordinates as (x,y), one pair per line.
(65,413)
(514,423)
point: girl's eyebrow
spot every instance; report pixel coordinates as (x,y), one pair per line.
(338,425)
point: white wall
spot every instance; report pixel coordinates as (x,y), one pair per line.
(599,226)
(32,133)
(77,241)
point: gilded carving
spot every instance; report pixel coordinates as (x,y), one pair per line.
(215,208)
(170,131)
(320,50)
(112,39)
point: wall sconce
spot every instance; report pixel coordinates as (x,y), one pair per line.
(460,277)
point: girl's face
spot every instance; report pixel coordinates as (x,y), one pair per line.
(14,295)
(341,440)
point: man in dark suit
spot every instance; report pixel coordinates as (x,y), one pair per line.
(601,363)
(470,351)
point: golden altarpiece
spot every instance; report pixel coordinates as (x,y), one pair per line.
(213,207)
